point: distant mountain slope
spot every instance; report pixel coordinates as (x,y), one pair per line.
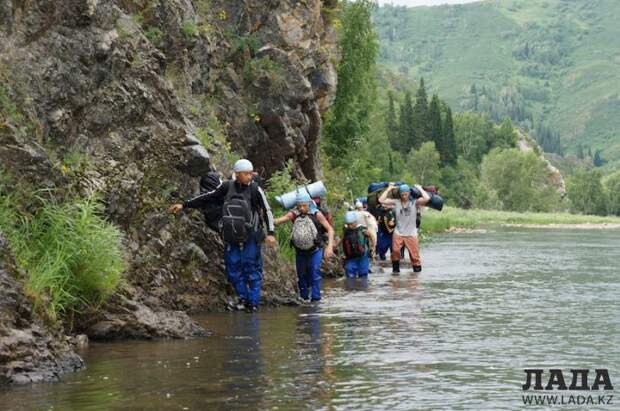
(553,66)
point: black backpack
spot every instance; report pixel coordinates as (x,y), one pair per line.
(239,222)
(354,242)
(212,209)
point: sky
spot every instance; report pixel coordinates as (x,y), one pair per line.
(413,3)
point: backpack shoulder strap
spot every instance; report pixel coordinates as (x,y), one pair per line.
(231,189)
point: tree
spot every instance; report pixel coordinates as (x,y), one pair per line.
(348,120)
(461,185)
(434,126)
(520,180)
(420,117)
(424,164)
(449,137)
(505,136)
(612,185)
(598,161)
(474,133)
(586,194)
(405,125)
(391,123)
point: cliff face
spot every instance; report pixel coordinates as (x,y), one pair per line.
(135,100)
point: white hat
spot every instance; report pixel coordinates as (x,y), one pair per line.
(243,165)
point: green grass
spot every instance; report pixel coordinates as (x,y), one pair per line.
(190,30)
(436,222)
(72,256)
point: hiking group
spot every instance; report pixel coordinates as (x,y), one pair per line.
(239,210)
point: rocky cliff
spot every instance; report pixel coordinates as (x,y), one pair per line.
(135,99)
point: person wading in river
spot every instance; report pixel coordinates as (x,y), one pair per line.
(405,233)
(310,227)
(244,212)
(358,246)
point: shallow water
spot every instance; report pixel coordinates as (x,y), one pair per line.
(456,336)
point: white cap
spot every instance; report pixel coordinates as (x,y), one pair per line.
(243,165)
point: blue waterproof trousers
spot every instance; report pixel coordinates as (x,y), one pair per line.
(356,267)
(244,267)
(309,274)
(384,243)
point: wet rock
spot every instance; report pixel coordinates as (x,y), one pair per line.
(199,163)
(140,321)
(30,351)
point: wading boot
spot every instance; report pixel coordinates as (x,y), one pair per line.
(395,267)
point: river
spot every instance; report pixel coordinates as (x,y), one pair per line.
(456,336)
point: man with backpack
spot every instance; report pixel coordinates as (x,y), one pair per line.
(310,227)
(386,221)
(244,212)
(356,246)
(406,232)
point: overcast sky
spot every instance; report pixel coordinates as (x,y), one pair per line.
(413,3)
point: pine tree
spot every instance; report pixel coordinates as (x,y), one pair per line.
(598,161)
(420,117)
(435,134)
(391,123)
(405,125)
(449,137)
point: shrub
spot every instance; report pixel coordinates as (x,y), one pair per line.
(72,255)
(154,34)
(189,29)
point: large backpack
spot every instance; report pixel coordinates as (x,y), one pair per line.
(306,234)
(239,222)
(354,242)
(212,209)
(386,219)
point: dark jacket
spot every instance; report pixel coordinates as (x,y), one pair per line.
(259,202)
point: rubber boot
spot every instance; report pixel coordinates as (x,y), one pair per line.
(395,267)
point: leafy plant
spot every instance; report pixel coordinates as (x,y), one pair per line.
(73,257)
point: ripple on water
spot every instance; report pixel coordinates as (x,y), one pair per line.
(456,336)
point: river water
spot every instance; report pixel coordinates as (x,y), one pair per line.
(456,336)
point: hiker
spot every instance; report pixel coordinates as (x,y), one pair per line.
(356,247)
(386,222)
(406,232)
(310,227)
(244,212)
(367,220)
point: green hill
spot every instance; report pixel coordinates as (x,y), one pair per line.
(553,66)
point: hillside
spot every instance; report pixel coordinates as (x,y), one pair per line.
(551,65)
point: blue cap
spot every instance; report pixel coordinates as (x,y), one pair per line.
(243,165)
(403,188)
(351,217)
(302,197)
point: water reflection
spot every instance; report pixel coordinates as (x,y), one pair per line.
(456,336)
(356,283)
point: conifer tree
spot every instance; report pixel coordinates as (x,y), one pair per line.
(435,132)
(449,138)
(420,117)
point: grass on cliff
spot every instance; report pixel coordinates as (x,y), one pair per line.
(435,222)
(72,256)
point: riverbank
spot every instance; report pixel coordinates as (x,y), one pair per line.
(455,219)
